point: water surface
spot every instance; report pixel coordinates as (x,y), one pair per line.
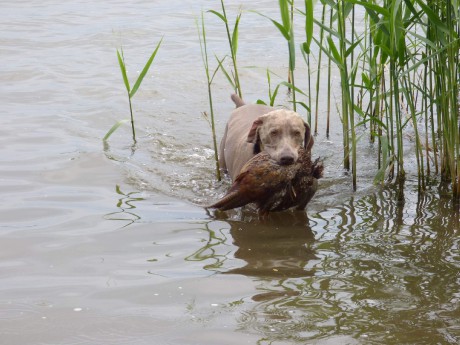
(110,245)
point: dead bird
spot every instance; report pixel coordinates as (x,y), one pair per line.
(273,187)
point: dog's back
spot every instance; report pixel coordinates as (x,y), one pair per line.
(235,151)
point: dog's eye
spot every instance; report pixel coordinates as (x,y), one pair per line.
(297,133)
(274,133)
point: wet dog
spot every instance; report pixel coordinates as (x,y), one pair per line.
(256,128)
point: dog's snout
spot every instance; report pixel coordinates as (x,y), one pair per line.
(286,160)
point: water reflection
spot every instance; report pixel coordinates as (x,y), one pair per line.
(126,206)
(383,269)
(214,250)
(278,247)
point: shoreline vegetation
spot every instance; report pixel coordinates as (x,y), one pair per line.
(399,78)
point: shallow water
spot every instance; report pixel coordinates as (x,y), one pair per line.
(109,244)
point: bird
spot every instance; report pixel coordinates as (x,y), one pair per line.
(273,187)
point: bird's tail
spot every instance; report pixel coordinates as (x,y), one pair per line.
(229,201)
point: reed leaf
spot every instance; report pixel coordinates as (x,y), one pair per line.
(232,42)
(309,10)
(235,35)
(121,62)
(221,67)
(271,95)
(372,7)
(434,18)
(329,30)
(144,70)
(113,129)
(306,107)
(285,15)
(218,15)
(335,53)
(352,48)
(291,86)
(286,33)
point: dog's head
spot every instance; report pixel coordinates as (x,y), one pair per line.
(280,133)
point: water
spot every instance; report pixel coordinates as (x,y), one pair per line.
(109,244)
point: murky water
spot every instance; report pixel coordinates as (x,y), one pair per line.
(109,245)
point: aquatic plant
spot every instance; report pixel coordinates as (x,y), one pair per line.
(131,91)
(233,44)
(404,69)
(287,30)
(306,52)
(399,76)
(209,79)
(271,93)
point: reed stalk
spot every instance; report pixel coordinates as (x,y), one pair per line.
(306,52)
(347,106)
(209,79)
(287,30)
(232,38)
(329,74)
(403,67)
(318,72)
(272,93)
(131,91)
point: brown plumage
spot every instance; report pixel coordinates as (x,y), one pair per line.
(273,187)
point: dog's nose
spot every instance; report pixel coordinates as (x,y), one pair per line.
(286,160)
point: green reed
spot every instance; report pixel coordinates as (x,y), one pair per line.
(340,57)
(232,38)
(403,67)
(131,91)
(306,52)
(272,93)
(309,33)
(399,78)
(286,28)
(209,79)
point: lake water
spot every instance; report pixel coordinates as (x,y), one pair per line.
(111,245)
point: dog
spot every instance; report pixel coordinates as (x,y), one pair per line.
(254,128)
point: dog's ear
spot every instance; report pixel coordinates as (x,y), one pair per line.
(253,135)
(308,141)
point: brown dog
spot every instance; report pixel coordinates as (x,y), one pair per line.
(254,128)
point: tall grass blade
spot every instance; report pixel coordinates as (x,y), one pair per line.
(121,62)
(227,75)
(285,15)
(309,8)
(204,56)
(144,70)
(233,44)
(286,34)
(235,36)
(113,129)
(219,15)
